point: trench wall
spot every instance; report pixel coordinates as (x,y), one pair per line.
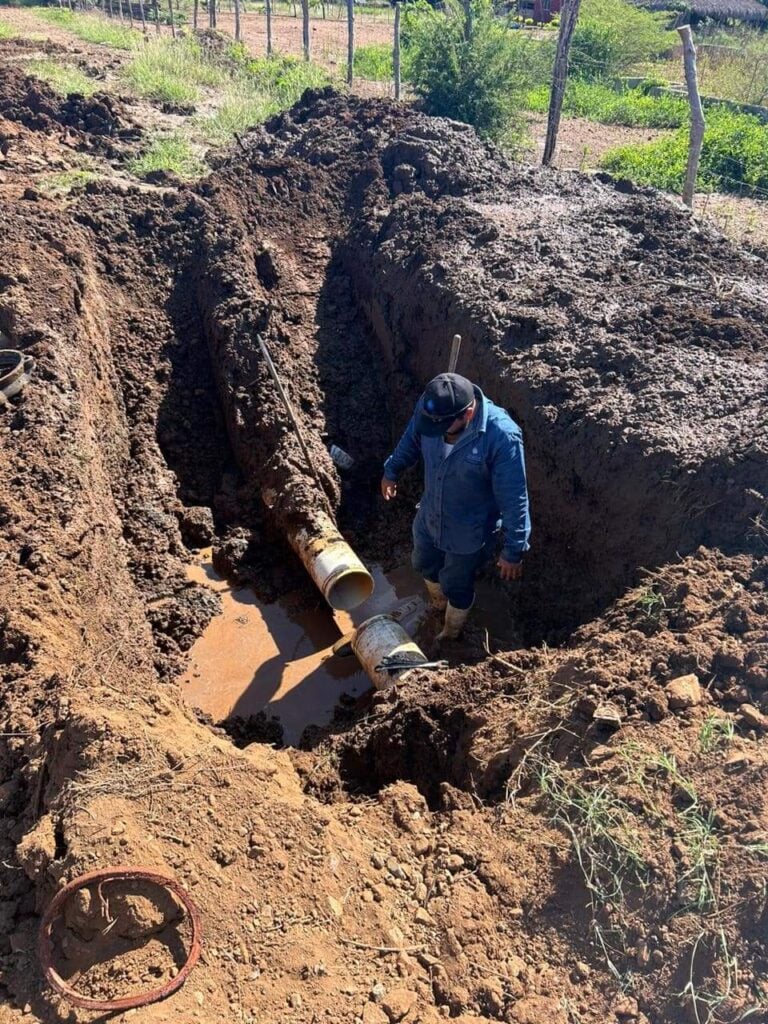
(609,492)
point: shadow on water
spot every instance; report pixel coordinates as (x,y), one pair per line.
(277,658)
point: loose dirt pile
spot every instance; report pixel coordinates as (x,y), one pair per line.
(563,833)
(41,131)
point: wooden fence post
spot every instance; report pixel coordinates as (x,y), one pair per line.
(238,30)
(697,115)
(195,9)
(268,8)
(130,13)
(350,40)
(173,20)
(157,17)
(396,52)
(305,28)
(568,16)
(143,18)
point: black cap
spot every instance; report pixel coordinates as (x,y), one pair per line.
(445,398)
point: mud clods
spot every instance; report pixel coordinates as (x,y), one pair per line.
(629,342)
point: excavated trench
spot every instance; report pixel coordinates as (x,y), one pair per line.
(358,238)
(358,266)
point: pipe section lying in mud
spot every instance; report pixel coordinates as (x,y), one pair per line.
(385,650)
(340,576)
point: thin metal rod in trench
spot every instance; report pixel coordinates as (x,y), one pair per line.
(291,415)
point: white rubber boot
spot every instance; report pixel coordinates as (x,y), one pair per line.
(437,598)
(454,623)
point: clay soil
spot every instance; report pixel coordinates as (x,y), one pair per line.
(564,832)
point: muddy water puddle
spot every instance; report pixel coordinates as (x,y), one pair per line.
(277,658)
(273,658)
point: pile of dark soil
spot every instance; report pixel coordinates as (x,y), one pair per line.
(36,105)
(543,859)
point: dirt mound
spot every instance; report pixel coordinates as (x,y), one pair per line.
(34,104)
(577,847)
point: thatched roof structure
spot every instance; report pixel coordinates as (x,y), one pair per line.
(751,11)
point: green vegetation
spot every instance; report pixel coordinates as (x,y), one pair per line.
(717,731)
(93,28)
(265,87)
(734,155)
(61,182)
(172,71)
(473,69)
(736,70)
(597,101)
(374,62)
(6,32)
(64,78)
(242,106)
(613,36)
(168,153)
(602,829)
(284,78)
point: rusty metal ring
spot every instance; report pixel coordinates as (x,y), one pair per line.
(45,942)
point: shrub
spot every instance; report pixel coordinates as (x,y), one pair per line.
(64,78)
(612,36)
(734,154)
(478,76)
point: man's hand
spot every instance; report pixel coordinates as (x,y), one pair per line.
(388,489)
(510,570)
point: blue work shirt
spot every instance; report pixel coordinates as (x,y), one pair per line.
(480,481)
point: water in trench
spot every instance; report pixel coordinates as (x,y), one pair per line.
(256,657)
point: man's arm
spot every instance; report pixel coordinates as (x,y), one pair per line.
(511,492)
(405,455)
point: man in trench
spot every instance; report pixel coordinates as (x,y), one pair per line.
(474,483)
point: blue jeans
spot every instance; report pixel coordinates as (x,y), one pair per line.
(454,573)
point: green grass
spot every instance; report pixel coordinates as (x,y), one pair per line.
(265,87)
(172,71)
(62,182)
(597,101)
(717,731)
(602,830)
(242,106)
(6,32)
(93,28)
(734,156)
(374,62)
(64,78)
(168,153)
(284,78)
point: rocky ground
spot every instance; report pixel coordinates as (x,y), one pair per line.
(573,831)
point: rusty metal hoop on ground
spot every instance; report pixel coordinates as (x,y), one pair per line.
(55,907)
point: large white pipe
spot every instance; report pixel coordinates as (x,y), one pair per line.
(340,576)
(382,641)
